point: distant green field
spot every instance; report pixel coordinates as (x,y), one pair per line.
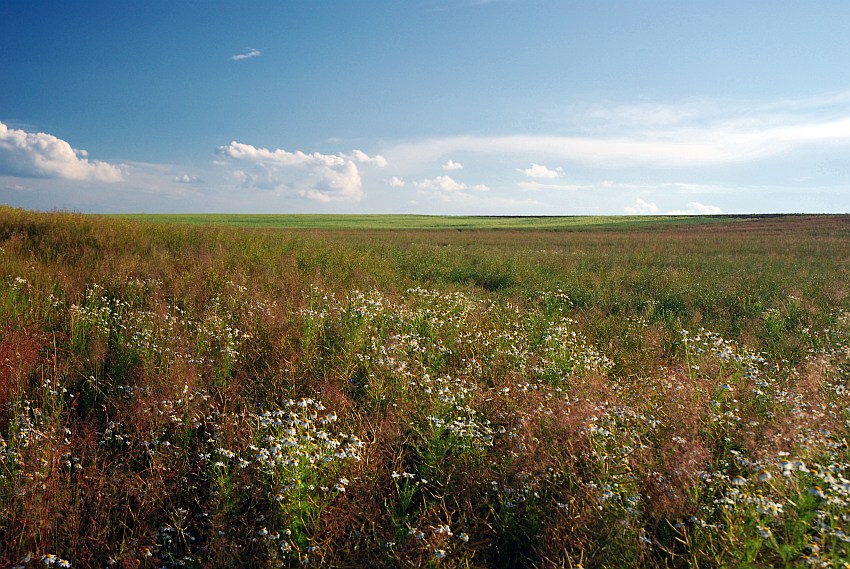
(330,221)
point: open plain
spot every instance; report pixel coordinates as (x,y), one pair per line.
(260,391)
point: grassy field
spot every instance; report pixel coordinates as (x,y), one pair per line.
(403,222)
(240,391)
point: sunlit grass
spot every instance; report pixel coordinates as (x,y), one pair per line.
(402,222)
(648,395)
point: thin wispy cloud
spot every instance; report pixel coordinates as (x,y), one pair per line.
(683,148)
(542,186)
(662,136)
(248,53)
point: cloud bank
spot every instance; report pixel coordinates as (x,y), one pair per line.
(40,155)
(691,134)
(696,208)
(315,176)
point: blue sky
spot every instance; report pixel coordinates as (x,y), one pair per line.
(436,106)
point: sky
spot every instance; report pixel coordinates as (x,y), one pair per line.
(459,107)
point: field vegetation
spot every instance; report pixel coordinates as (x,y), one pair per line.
(583,393)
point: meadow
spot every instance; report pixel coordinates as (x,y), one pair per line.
(424,392)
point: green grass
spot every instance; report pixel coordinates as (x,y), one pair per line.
(220,391)
(401,222)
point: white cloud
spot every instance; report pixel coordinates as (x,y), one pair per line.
(649,114)
(537,186)
(641,207)
(39,155)
(187,179)
(396,182)
(452,165)
(316,176)
(447,184)
(363,158)
(696,208)
(248,53)
(690,134)
(671,149)
(540,171)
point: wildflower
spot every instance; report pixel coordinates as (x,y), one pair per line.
(764,475)
(817,491)
(463,537)
(263,532)
(419,535)
(764,532)
(48,559)
(739,481)
(439,553)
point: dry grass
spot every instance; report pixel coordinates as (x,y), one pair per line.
(662,396)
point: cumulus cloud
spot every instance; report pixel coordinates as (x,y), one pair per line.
(315,176)
(363,158)
(696,208)
(540,171)
(641,207)
(248,53)
(447,184)
(39,155)
(452,165)
(187,179)
(396,182)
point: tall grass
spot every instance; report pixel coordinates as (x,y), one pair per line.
(648,396)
